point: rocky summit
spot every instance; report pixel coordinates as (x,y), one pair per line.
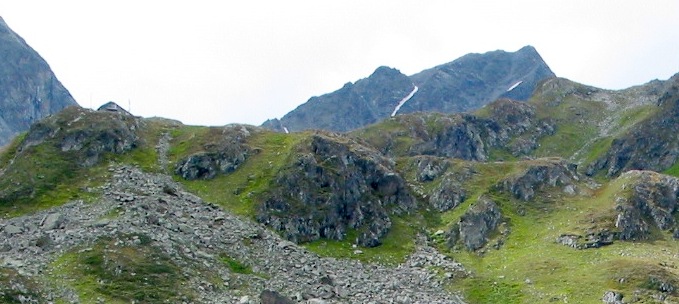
(29,90)
(466,84)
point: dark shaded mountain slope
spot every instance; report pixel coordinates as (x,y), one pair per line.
(475,80)
(355,105)
(465,84)
(29,90)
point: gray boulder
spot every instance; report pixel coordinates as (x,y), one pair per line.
(478,223)
(540,175)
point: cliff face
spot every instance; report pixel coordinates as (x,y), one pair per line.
(29,90)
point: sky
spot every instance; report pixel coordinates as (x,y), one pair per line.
(219,62)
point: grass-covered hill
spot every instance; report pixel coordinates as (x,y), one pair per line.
(568,197)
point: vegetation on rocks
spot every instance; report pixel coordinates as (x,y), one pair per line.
(122,269)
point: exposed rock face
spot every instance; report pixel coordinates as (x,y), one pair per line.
(539,175)
(335,185)
(448,195)
(465,84)
(223,157)
(29,90)
(463,136)
(85,133)
(651,202)
(475,80)
(429,168)
(355,105)
(476,225)
(651,145)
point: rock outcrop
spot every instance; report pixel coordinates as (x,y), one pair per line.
(509,125)
(335,185)
(223,156)
(650,202)
(465,84)
(29,90)
(650,145)
(476,225)
(87,134)
(448,195)
(541,175)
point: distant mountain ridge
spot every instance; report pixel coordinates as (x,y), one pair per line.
(29,90)
(465,84)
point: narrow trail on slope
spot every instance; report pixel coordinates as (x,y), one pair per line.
(162,148)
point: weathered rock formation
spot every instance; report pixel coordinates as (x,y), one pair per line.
(223,156)
(29,90)
(476,225)
(651,145)
(541,175)
(651,202)
(87,134)
(335,185)
(510,125)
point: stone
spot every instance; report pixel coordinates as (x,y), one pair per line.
(53,221)
(12,230)
(273,297)
(478,223)
(612,297)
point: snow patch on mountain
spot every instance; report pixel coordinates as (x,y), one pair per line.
(514,86)
(404,100)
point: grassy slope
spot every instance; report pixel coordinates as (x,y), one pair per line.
(585,124)
(532,268)
(239,190)
(120,269)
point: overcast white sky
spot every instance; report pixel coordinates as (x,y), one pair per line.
(218,62)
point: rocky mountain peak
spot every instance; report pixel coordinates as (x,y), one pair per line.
(465,84)
(29,90)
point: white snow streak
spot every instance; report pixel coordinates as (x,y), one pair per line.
(286,130)
(514,86)
(403,101)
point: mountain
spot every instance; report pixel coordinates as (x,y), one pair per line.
(572,195)
(465,84)
(29,90)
